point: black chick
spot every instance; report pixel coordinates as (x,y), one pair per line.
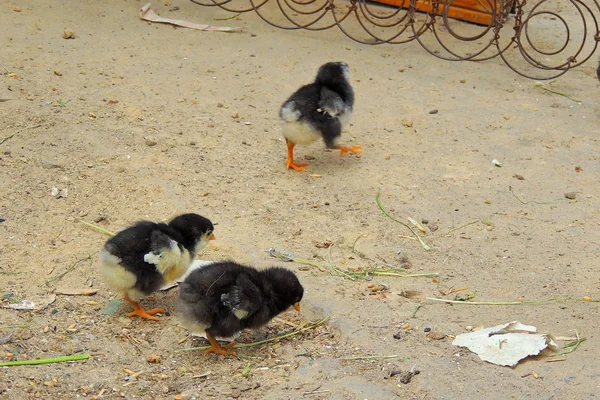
(142,258)
(224,298)
(320,109)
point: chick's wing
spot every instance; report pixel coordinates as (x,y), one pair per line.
(164,251)
(331,102)
(243,299)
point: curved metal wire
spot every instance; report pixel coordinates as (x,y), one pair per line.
(509,32)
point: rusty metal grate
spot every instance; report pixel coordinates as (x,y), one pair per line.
(542,39)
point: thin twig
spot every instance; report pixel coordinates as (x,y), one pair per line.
(98,228)
(357,252)
(366,357)
(572,346)
(425,246)
(74,357)
(510,189)
(313,326)
(14,326)
(225,19)
(385,273)
(460,227)
(416,309)
(507,303)
(288,258)
(335,268)
(315,392)
(19,131)
(59,277)
(540,84)
(248,368)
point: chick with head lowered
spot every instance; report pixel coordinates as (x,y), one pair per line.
(224,298)
(321,109)
(142,258)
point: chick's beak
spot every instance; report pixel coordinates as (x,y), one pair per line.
(297,306)
(211,237)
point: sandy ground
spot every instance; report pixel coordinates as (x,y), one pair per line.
(131,120)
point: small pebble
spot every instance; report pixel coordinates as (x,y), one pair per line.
(435,335)
(68,34)
(407,122)
(571,195)
(433,112)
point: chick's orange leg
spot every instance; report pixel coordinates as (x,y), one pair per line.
(352,149)
(230,345)
(290,161)
(215,348)
(140,312)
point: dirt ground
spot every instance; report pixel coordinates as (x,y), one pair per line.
(131,120)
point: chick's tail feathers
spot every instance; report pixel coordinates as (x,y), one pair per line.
(140,312)
(217,349)
(290,164)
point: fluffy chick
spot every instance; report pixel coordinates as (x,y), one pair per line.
(321,109)
(142,258)
(224,298)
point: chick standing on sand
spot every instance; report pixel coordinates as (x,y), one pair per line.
(321,109)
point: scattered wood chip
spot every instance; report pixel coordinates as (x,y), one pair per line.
(76,292)
(154,359)
(415,223)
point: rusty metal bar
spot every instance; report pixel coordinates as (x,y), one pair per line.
(540,39)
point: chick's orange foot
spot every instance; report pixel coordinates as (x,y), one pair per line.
(290,164)
(352,149)
(217,349)
(147,314)
(139,310)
